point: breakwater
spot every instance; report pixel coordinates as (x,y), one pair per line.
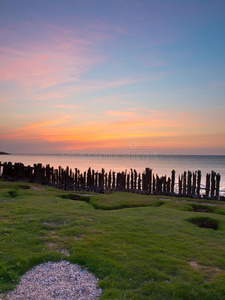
(189,183)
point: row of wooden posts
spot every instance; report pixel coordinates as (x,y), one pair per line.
(189,184)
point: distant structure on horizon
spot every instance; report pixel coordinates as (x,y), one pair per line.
(4,153)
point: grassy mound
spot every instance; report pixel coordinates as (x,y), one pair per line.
(148,251)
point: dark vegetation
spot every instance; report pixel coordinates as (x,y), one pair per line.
(205,222)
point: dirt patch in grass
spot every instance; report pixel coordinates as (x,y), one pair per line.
(53,234)
(78,237)
(52,224)
(77,197)
(4,220)
(210,272)
(54,247)
(202,208)
(195,265)
(96,231)
(24,187)
(37,188)
(205,222)
(203,203)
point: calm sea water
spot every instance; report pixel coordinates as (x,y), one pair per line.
(161,164)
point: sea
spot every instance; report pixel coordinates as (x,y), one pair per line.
(160,164)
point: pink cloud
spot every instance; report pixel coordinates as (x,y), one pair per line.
(47,123)
(61,57)
(121,113)
(66,106)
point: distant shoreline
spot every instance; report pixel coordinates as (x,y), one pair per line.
(91,154)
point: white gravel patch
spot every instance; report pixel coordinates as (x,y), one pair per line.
(56,280)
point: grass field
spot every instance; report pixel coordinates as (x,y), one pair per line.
(140,247)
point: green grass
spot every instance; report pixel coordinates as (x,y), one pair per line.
(147,250)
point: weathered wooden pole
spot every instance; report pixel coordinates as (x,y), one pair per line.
(114,181)
(139,182)
(173,181)
(164,184)
(157,183)
(217,186)
(189,183)
(168,185)
(96,179)
(117,180)
(135,179)
(110,179)
(131,179)
(153,183)
(180,184)
(150,181)
(185,183)
(213,184)
(207,185)
(106,181)
(143,182)
(103,181)
(199,183)
(93,182)
(193,184)
(128,181)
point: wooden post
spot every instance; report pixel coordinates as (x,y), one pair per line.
(153,183)
(139,182)
(157,183)
(110,179)
(131,179)
(217,186)
(135,179)
(173,181)
(207,185)
(184,183)
(164,183)
(128,182)
(143,182)
(102,181)
(194,184)
(117,180)
(106,181)
(96,179)
(114,181)
(199,183)
(168,186)
(213,174)
(89,178)
(84,180)
(93,179)
(150,181)
(189,183)
(180,184)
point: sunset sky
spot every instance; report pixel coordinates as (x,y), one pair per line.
(112,75)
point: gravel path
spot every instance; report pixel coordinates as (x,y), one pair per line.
(61,280)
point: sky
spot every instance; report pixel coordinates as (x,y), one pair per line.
(112,76)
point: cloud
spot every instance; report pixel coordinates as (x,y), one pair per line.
(46,123)
(66,106)
(72,87)
(58,57)
(120,113)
